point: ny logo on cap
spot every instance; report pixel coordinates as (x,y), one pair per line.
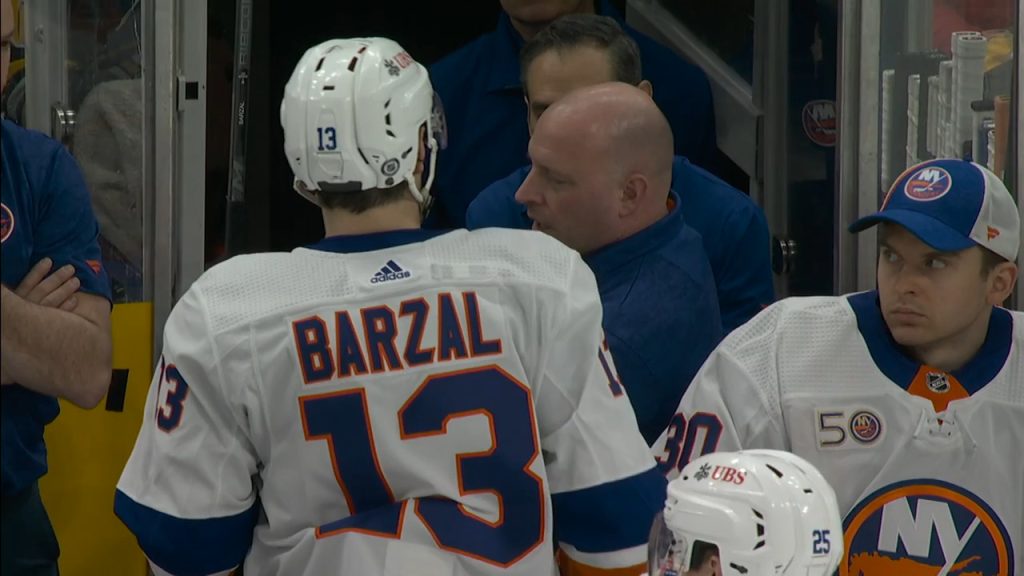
(927,184)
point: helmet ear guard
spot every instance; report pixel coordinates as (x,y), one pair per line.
(352,115)
(436,140)
(765,511)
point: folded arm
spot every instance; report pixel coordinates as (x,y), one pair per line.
(61,353)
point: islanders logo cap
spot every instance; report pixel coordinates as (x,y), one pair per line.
(952,205)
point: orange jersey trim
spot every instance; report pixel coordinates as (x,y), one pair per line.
(569,567)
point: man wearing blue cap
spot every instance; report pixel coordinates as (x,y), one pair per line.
(908,398)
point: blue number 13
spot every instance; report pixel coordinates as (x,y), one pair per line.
(331,137)
(342,419)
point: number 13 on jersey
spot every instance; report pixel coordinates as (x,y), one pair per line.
(342,420)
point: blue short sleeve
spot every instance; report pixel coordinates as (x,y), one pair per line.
(66,230)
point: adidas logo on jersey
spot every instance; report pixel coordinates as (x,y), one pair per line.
(388,272)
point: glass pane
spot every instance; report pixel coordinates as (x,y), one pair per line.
(13,99)
(105,88)
(732,38)
(811,134)
(947,71)
(105,94)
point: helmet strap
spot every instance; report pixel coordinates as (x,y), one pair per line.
(422,195)
(300,187)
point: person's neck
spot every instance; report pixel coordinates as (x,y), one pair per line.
(955,352)
(530,29)
(401,215)
(628,228)
(642,220)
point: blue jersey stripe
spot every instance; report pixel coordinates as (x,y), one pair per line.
(188,547)
(610,516)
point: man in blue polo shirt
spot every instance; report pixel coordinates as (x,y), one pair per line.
(583,50)
(479,85)
(602,165)
(55,331)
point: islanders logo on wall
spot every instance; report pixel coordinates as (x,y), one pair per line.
(928,183)
(924,528)
(819,121)
(6,223)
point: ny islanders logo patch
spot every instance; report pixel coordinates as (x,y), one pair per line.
(925,528)
(6,223)
(865,426)
(928,183)
(819,121)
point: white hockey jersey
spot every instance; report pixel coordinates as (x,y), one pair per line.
(399,403)
(927,465)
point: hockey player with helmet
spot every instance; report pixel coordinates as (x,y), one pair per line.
(389,400)
(747,513)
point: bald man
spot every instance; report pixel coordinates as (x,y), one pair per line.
(482,92)
(602,169)
(582,50)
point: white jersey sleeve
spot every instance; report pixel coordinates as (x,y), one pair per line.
(188,480)
(733,403)
(604,484)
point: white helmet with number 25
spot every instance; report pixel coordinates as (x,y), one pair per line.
(354,114)
(767,512)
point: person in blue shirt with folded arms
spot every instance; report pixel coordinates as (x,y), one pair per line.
(55,333)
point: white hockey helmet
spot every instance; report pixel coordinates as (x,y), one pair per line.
(767,512)
(352,113)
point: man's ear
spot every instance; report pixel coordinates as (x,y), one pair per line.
(635,189)
(716,565)
(1001,281)
(646,86)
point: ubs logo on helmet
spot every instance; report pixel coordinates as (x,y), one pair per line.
(398,62)
(928,183)
(6,223)
(925,527)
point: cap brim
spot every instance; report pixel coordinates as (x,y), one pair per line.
(929,230)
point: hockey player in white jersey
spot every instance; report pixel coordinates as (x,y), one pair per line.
(747,513)
(389,400)
(909,398)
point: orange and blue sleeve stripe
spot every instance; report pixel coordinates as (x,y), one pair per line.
(604,529)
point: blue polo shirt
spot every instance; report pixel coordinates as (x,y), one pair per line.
(660,314)
(487,129)
(46,212)
(733,229)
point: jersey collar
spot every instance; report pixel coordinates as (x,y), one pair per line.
(349,243)
(901,369)
(619,254)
